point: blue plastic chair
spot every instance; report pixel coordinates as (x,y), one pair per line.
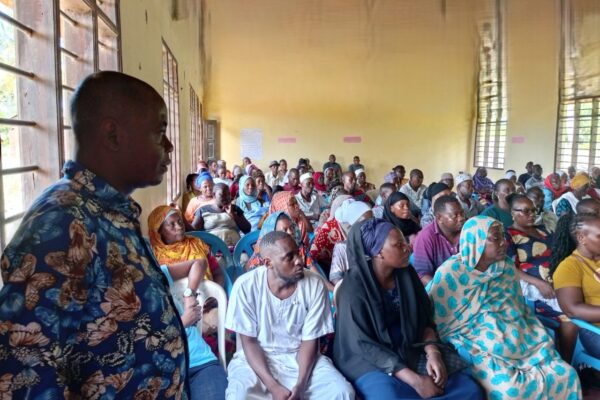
(245,245)
(550,324)
(581,357)
(217,246)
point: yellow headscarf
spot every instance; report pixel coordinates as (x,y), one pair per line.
(579,180)
(190,248)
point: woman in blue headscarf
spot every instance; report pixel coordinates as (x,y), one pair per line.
(479,307)
(386,343)
(252,206)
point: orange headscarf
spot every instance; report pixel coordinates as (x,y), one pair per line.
(190,248)
(281,202)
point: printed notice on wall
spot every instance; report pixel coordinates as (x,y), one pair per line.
(251,143)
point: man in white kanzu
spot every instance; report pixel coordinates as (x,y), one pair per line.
(280,310)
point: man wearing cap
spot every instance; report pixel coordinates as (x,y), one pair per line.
(464,191)
(272,178)
(434,191)
(439,240)
(311,203)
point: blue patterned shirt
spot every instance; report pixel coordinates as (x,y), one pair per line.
(85,310)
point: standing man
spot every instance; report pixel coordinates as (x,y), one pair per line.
(280,311)
(355,164)
(438,241)
(85,310)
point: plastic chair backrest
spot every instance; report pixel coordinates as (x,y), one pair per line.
(245,245)
(208,289)
(580,355)
(217,246)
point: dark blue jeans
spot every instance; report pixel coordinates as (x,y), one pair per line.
(208,381)
(591,342)
(377,385)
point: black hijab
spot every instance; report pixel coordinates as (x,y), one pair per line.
(407,226)
(363,343)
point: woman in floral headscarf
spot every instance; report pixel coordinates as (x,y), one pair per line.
(478,306)
(286,202)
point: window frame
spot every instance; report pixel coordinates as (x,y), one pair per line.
(39,94)
(492,106)
(196,129)
(172,101)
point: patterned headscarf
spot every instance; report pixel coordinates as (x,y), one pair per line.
(281,202)
(190,248)
(484,311)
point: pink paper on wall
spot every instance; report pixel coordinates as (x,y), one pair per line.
(352,139)
(286,140)
(518,139)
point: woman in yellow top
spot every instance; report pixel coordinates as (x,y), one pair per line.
(173,248)
(577,278)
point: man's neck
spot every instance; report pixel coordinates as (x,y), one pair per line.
(280,289)
(452,237)
(464,199)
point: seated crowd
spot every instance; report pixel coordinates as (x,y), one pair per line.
(464,264)
(438,290)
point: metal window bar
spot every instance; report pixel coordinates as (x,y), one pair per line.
(18,170)
(71,20)
(69,53)
(16,122)
(16,71)
(16,23)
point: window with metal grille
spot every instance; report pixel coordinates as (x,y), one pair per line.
(46,47)
(171,97)
(195,129)
(578,128)
(490,134)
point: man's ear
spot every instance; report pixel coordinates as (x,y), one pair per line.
(110,134)
(268,262)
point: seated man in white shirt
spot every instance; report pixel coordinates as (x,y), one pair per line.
(280,310)
(311,203)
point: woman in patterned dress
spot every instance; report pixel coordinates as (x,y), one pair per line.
(478,307)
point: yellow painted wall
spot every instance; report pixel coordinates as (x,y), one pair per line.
(144,23)
(399,73)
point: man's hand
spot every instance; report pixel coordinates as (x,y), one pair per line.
(297,393)
(279,392)
(436,369)
(192,311)
(426,387)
